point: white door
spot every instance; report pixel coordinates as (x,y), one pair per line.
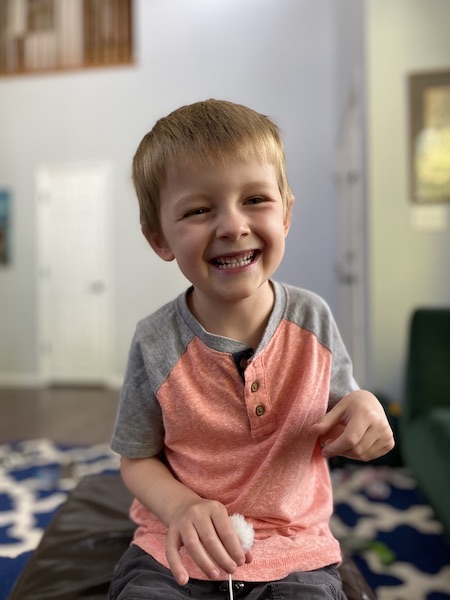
(351,262)
(74,282)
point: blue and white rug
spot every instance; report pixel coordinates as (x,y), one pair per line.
(384,523)
(380,517)
(35,478)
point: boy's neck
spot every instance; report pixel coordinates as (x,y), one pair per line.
(245,320)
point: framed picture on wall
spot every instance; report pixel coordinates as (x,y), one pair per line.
(5,227)
(54,35)
(429,104)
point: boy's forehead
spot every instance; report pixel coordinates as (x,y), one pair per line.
(185,164)
(225,158)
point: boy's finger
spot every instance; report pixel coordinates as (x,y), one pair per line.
(229,540)
(205,549)
(354,440)
(174,560)
(330,419)
(323,425)
(221,544)
(198,554)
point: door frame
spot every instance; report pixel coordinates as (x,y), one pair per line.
(351,265)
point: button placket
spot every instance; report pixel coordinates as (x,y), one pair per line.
(259,407)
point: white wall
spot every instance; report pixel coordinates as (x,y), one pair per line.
(275,55)
(408,269)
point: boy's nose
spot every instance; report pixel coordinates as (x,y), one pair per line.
(232,224)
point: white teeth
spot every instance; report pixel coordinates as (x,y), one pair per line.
(234,262)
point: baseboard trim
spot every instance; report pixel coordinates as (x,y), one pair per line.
(33,380)
(20,380)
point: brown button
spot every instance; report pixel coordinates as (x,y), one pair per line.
(244,363)
(255,386)
(260,410)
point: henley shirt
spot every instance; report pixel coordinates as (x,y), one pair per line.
(234,425)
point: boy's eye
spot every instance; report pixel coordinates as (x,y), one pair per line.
(196,211)
(255,200)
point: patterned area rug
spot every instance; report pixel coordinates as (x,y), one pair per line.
(35,478)
(380,518)
(392,534)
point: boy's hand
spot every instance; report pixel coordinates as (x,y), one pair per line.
(356,427)
(204,528)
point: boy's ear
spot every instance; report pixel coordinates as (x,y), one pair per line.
(158,242)
(287,216)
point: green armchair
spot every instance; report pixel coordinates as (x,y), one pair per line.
(425,420)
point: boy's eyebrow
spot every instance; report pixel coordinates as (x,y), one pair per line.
(262,184)
(191,198)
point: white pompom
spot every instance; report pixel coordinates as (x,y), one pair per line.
(244,530)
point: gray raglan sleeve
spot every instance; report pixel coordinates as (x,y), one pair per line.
(342,380)
(139,431)
(311,312)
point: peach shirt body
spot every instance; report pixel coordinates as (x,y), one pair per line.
(242,440)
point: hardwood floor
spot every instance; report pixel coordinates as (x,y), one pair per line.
(67,415)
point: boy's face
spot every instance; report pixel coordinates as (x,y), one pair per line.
(225,225)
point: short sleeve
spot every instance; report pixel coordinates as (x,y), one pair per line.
(139,431)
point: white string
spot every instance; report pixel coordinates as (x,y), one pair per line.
(230,587)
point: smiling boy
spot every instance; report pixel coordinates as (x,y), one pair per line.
(237,391)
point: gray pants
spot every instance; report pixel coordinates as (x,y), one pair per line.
(138,576)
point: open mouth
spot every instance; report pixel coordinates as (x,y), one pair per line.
(234,262)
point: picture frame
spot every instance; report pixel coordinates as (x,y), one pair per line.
(39,36)
(5,227)
(429,148)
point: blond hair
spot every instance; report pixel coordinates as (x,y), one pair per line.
(204,133)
